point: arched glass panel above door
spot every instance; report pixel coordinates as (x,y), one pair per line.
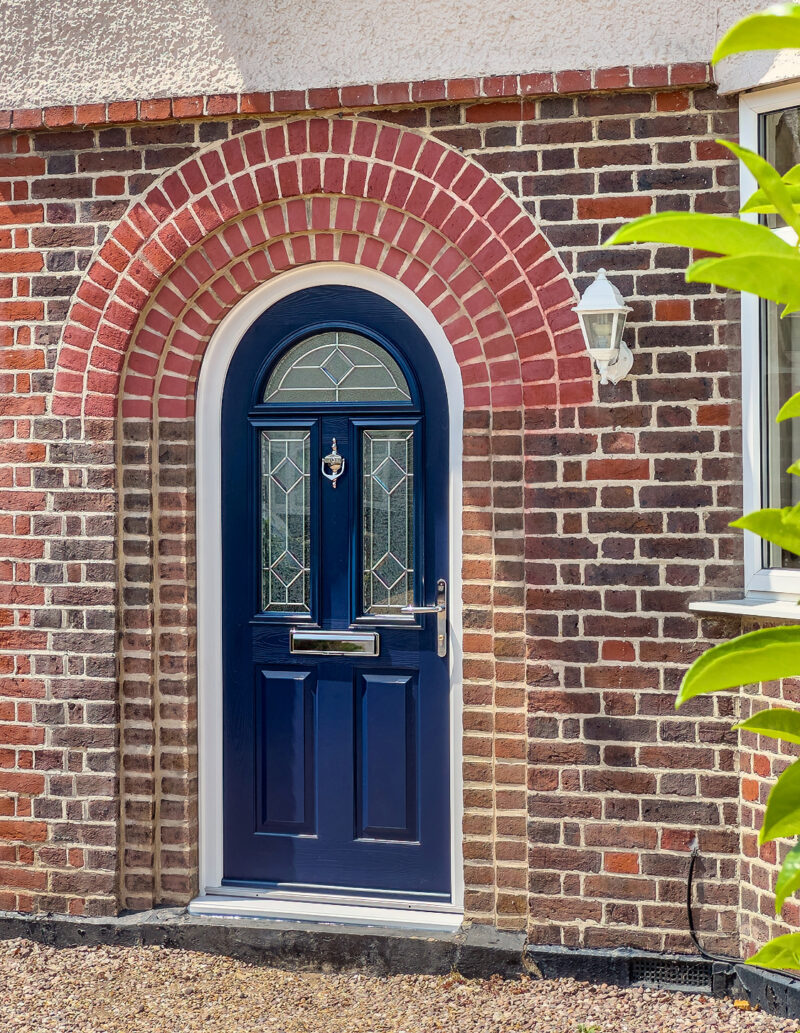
(337,366)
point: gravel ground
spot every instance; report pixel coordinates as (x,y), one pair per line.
(155,990)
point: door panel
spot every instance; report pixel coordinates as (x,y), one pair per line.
(286,726)
(336,768)
(386,756)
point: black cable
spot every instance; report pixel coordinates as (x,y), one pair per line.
(692,931)
(735,963)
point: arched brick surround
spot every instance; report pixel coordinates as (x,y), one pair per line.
(311,190)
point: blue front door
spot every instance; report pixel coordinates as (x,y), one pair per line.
(336,715)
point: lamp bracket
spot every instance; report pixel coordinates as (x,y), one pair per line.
(617,370)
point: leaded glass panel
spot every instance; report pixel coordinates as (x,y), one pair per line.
(285,513)
(388,520)
(337,367)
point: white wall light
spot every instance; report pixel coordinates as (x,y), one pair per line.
(602,313)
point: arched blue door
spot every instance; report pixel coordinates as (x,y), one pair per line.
(336,726)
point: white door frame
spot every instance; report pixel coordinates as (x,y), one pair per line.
(214,898)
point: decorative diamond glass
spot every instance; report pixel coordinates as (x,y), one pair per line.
(337,366)
(285,519)
(388,520)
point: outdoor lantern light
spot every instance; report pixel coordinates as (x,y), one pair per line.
(602,312)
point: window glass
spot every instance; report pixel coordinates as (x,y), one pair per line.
(337,367)
(782,145)
(780,442)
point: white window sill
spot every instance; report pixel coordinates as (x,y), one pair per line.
(750,606)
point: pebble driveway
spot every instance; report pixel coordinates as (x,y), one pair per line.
(157,990)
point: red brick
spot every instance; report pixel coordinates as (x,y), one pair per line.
(122,111)
(221,104)
(357,96)
(187,107)
(689,74)
(537,83)
(90,114)
(674,309)
(612,78)
(621,207)
(429,90)
(27,118)
(675,100)
(499,111)
(255,103)
(156,110)
(288,100)
(59,116)
(651,75)
(573,81)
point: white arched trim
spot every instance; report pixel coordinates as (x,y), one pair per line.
(214,898)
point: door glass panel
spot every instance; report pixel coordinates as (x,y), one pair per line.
(337,367)
(388,519)
(285,513)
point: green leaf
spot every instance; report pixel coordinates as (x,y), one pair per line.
(794,468)
(759,203)
(788,878)
(782,816)
(719,233)
(789,409)
(781,526)
(776,28)
(782,952)
(763,655)
(777,723)
(769,179)
(769,276)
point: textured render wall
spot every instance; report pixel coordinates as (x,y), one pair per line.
(763,68)
(79,51)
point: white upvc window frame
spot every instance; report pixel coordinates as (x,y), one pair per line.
(760,581)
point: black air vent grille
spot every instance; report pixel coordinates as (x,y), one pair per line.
(661,972)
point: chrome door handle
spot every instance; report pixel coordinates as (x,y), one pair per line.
(439,608)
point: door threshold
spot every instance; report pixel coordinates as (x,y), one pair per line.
(398,917)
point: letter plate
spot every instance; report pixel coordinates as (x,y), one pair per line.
(335,643)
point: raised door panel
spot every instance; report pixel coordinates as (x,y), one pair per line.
(386,756)
(286,763)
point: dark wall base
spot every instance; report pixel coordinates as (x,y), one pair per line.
(474,951)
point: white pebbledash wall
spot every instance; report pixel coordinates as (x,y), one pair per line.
(80,51)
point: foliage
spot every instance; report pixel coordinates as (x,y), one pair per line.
(750,257)
(777,27)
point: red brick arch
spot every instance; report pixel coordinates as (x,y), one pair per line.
(223,222)
(310,190)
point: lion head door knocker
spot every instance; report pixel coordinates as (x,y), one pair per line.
(334,462)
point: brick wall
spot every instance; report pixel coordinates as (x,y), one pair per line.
(761,761)
(583,789)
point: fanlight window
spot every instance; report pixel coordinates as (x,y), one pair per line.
(337,366)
